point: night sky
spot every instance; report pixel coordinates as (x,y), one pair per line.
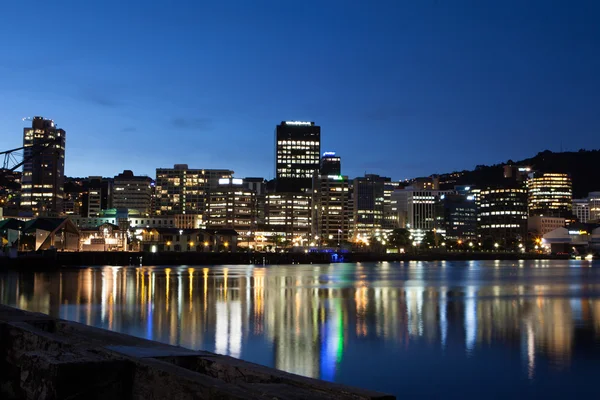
(399,88)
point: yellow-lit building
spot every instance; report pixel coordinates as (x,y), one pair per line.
(550,194)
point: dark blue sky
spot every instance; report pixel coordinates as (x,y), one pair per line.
(400,88)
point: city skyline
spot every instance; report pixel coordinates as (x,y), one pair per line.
(218,79)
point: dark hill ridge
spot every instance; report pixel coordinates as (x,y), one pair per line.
(583,165)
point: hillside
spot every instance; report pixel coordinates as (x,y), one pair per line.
(583,165)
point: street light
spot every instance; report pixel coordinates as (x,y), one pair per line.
(496,245)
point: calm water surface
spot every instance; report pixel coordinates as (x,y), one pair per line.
(489,329)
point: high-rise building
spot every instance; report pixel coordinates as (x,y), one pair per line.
(232,206)
(43,171)
(502,214)
(331,214)
(297,150)
(456,216)
(368,204)
(289,214)
(416,210)
(181,190)
(550,195)
(133,192)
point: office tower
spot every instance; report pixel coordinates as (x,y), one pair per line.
(550,195)
(416,209)
(456,216)
(44,168)
(369,204)
(330,164)
(289,214)
(331,215)
(181,190)
(297,149)
(502,214)
(232,206)
(132,192)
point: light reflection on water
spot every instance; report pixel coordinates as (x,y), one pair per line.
(515,328)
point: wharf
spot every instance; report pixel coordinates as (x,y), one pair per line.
(46,358)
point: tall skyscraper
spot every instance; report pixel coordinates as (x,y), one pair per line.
(297,150)
(550,195)
(44,171)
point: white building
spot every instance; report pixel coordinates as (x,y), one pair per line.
(581,210)
(416,209)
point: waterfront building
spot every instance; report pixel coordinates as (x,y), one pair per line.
(134,220)
(297,150)
(578,238)
(181,190)
(43,179)
(199,240)
(502,214)
(290,213)
(581,210)
(331,214)
(456,216)
(416,210)
(232,206)
(541,225)
(369,204)
(550,194)
(132,192)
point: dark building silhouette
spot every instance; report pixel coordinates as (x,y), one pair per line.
(330,164)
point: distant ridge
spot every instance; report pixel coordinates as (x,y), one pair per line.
(583,165)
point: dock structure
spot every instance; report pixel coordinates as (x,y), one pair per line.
(47,358)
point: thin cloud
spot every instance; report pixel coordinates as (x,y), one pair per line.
(201,123)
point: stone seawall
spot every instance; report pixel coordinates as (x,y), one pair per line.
(46,358)
(51,259)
